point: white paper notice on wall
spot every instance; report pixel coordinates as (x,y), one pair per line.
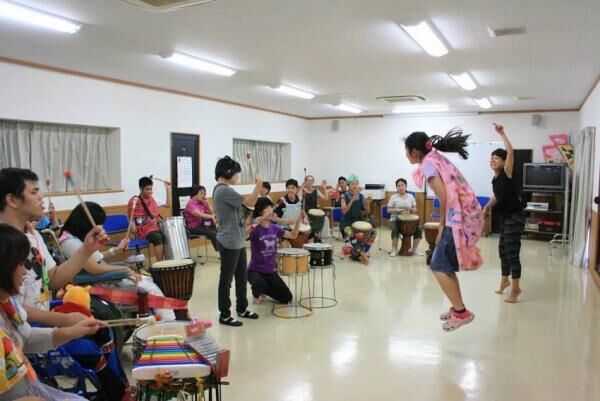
(183,200)
(184,172)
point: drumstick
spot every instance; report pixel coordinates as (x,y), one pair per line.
(69,177)
(135,198)
(152,177)
(131,322)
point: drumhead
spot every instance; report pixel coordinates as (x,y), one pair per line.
(408,217)
(304,228)
(161,329)
(317,247)
(172,263)
(431,224)
(316,212)
(251,208)
(295,252)
(361,226)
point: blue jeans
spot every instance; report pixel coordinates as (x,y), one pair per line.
(444,259)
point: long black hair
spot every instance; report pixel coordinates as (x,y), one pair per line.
(455,141)
(78,225)
(260,206)
(14,249)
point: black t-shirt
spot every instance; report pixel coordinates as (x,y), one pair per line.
(311,199)
(507,194)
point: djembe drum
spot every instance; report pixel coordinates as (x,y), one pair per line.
(302,238)
(408,227)
(431,232)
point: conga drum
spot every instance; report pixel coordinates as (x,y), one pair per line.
(431,232)
(302,238)
(408,226)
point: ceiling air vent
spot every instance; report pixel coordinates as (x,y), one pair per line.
(524,98)
(166,5)
(498,32)
(402,99)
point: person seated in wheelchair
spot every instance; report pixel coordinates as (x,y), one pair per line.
(96,269)
(262,269)
(17,377)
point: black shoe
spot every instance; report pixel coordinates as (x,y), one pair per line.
(230,321)
(248,315)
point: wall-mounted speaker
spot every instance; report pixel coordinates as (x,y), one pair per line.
(536,120)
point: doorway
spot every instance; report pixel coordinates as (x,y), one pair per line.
(185,168)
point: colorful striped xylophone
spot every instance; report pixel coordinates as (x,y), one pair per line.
(172,355)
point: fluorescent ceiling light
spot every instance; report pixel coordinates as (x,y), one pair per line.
(483,102)
(288,90)
(464,80)
(426,38)
(34,17)
(349,108)
(420,109)
(199,64)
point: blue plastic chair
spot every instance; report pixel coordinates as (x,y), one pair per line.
(384,212)
(118,223)
(436,205)
(483,200)
(336,217)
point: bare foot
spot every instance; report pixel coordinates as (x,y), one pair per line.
(258,301)
(505,283)
(512,298)
(364,259)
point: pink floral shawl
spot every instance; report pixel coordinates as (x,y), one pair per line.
(463,212)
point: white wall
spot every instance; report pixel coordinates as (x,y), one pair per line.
(373,148)
(590,117)
(146,118)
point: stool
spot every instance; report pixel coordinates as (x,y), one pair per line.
(322,301)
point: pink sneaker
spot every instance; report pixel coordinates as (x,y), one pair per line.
(457,320)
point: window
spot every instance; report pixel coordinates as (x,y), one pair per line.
(91,153)
(271,159)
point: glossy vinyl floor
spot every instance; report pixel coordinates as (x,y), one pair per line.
(384,340)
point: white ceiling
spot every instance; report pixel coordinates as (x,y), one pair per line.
(339,49)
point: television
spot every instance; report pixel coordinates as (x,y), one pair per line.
(544,176)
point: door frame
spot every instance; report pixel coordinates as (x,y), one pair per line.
(199,136)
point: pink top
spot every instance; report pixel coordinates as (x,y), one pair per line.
(463,212)
(192,221)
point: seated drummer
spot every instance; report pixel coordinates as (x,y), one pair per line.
(340,190)
(146,216)
(311,196)
(262,269)
(71,240)
(402,203)
(199,216)
(289,206)
(356,207)
(265,190)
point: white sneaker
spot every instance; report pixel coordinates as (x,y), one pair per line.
(418,253)
(393,254)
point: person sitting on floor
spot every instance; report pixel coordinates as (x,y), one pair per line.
(356,207)
(199,216)
(262,269)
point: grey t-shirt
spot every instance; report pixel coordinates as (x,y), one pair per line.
(230,215)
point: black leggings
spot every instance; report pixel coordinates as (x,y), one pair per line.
(511,229)
(209,233)
(270,284)
(233,264)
